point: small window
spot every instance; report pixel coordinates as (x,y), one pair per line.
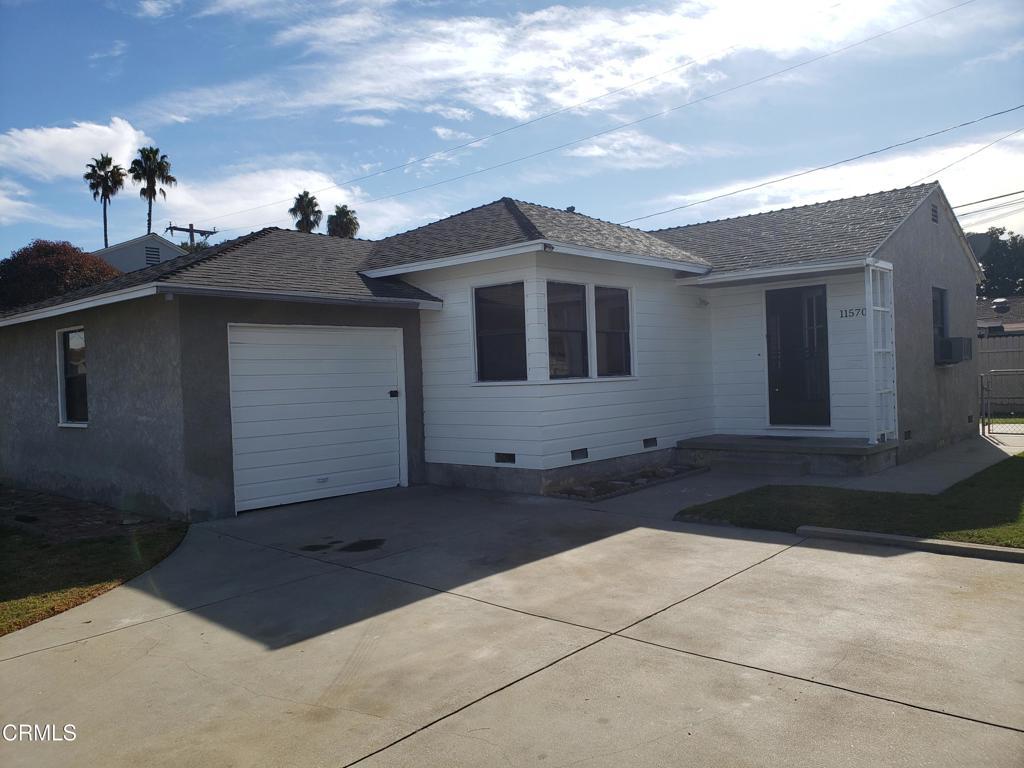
(74,406)
(501,332)
(567,331)
(611,310)
(940,320)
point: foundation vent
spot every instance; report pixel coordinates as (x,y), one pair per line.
(579,453)
(504,458)
(906,435)
(650,442)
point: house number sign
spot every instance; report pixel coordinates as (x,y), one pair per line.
(852,312)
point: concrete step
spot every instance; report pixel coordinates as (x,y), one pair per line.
(774,465)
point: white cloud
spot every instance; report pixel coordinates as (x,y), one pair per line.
(155,9)
(116,50)
(449,134)
(448,112)
(49,153)
(373,121)
(631,149)
(17,208)
(265,190)
(518,66)
(992,172)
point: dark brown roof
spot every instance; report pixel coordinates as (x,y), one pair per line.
(271,260)
(838,229)
(510,222)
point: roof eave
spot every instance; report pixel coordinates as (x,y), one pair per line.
(781,271)
(532,246)
(299,296)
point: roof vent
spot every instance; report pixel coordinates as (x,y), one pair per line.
(935,214)
(152,254)
(1000,306)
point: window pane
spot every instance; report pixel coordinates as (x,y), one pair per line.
(611,307)
(75,399)
(501,332)
(567,330)
(939,313)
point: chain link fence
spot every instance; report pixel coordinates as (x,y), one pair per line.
(1002,402)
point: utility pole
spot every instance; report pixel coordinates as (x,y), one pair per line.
(192,232)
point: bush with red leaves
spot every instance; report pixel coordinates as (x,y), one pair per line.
(46,268)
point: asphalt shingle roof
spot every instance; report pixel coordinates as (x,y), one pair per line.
(1014,316)
(510,222)
(270,260)
(837,229)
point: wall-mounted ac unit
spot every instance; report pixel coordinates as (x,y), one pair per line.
(955,349)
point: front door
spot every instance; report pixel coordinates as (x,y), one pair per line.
(797,326)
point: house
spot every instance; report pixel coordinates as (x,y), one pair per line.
(511,346)
(139,252)
(1001,316)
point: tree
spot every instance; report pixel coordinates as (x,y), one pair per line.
(343,222)
(150,169)
(306,212)
(201,245)
(105,179)
(1003,263)
(46,268)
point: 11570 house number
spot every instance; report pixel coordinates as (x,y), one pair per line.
(855,312)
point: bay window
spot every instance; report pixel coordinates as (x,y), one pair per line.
(611,314)
(567,331)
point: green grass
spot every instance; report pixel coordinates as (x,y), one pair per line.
(986,508)
(1007,420)
(39,579)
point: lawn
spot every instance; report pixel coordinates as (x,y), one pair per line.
(986,508)
(39,578)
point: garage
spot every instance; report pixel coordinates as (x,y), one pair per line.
(316,411)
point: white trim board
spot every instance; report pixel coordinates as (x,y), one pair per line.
(535,246)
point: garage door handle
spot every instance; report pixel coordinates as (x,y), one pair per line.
(393,393)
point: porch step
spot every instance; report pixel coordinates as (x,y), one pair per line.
(759,464)
(787,456)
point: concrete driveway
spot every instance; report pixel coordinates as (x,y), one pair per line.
(424,626)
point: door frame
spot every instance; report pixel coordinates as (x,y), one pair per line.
(388,331)
(782,286)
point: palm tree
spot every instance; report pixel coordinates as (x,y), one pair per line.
(151,168)
(105,180)
(306,212)
(343,222)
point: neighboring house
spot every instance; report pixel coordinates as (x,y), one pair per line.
(1001,316)
(140,252)
(511,346)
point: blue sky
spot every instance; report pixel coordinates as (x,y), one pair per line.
(255,100)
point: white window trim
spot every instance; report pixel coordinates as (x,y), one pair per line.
(61,401)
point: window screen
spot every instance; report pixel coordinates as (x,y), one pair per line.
(501,332)
(611,309)
(567,331)
(75,406)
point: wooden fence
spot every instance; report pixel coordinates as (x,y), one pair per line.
(1000,353)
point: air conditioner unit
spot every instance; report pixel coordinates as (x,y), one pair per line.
(955,349)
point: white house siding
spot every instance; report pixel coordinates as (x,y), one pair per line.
(739,358)
(541,421)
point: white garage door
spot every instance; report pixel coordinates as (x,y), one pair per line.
(315,412)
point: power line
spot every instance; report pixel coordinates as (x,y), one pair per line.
(933,174)
(996,207)
(986,199)
(996,216)
(631,123)
(826,166)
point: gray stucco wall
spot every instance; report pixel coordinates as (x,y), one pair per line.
(130,455)
(206,394)
(934,402)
